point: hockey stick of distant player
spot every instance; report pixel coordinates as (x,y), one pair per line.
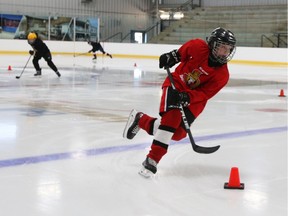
(196,148)
(75,55)
(18,77)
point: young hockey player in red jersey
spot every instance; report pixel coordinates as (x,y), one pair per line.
(96,46)
(201,74)
(40,50)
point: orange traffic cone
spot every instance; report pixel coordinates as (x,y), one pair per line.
(234,180)
(9,68)
(281,93)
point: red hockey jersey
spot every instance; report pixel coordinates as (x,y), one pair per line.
(194,76)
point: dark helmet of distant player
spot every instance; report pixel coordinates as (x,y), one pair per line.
(222,44)
(31,37)
(90,42)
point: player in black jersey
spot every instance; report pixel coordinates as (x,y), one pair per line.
(40,50)
(96,46)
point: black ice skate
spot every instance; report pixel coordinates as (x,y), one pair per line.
(58,74)
(149,168)
(132,128)
(109,55)
(38,73)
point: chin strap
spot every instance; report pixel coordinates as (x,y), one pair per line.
(212,62)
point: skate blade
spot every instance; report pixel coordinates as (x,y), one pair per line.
(146,173)
(128,124)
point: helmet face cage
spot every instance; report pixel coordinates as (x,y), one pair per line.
(31,41)
(222,58)
(221,37)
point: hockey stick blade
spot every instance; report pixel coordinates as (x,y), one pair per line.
(18,77)
(80,54)
(205,150)
(196,148)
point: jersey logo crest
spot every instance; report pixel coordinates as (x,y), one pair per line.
(192,79)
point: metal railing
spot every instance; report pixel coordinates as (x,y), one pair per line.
(114,35)
(280,40)
(277,42)
(188,5)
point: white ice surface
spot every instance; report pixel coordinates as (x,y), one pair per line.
(62,151)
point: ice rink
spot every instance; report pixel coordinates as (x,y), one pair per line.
(62,151)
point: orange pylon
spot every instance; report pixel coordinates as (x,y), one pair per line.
(234,180)
(281,93)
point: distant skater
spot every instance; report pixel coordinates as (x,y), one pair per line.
(96,46)
(40,50)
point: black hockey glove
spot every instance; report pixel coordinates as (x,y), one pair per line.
(169,59)
(31,52)
(184,99)
(175,98)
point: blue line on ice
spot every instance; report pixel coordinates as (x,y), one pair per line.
(123,148)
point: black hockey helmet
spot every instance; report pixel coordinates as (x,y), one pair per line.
(218,37)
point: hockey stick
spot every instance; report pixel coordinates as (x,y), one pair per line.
(18,77)
(75,55)
(196,148)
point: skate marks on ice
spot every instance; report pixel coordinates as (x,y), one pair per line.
(62,107)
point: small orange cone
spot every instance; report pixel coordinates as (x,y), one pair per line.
(9,68)
(234,180)
(281,93)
